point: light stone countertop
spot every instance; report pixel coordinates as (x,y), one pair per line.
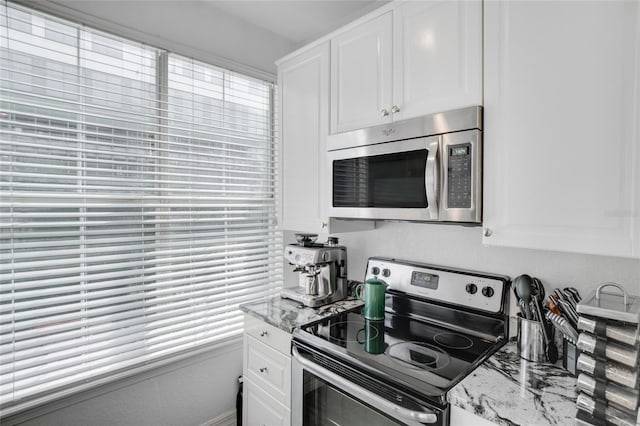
(508,390)
(288,314)
(505,389)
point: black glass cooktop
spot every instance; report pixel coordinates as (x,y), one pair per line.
(424,355)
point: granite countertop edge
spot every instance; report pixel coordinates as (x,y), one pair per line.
(508,390)
(505,389)
(287,314)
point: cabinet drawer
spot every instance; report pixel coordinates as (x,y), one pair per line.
(262,410)
(278,339)
(268,368)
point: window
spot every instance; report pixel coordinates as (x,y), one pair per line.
(138,205)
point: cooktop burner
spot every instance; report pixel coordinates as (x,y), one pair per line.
(338,332)
(419,355)
(453,340)
(422,353)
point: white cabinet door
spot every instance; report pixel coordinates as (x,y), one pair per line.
(304,112)
(361,66)
(561,137)
(259,409)
(304,126)
(437,56)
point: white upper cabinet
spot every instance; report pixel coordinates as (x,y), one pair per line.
(437,56)
(361,80)
(562,132)
(303,82)
(420,57)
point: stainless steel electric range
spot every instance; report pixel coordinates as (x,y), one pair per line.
(440,324)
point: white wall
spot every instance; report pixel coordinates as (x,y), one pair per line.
(459,246)
(191,28)
(189,392)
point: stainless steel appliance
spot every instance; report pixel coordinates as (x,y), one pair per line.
(322,271)
(422,169)
(440,324)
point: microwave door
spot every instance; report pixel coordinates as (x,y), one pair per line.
(432,180)
(392,180)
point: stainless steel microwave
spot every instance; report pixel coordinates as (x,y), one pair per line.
(426,169)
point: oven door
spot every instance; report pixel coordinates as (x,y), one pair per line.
(393,180)
(321,396)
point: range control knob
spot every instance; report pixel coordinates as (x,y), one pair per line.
(375,270)
(386,272)
(471,288)
(487,291)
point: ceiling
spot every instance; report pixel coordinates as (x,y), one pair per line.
(299,21)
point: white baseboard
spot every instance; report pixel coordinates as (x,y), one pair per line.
(226,419)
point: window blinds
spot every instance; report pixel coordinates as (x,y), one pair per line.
(138,204)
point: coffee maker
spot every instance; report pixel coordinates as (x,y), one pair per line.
(322,271)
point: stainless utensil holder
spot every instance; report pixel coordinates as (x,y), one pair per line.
(530,340)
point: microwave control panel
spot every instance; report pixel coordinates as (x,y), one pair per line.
(459,176)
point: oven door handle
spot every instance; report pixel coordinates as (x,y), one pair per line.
(413,417)
(431,179)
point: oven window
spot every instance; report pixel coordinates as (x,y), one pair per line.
(326,405)
(382,181)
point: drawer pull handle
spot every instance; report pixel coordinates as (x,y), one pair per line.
(263,369)
(263,333)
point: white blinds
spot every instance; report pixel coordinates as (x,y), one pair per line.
(138,204)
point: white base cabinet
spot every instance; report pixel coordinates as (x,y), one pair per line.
(267,375)
(562,126)
(261,409)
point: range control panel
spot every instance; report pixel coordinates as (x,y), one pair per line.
(476,290)
(459,176)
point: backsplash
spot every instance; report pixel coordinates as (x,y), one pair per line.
(462,247)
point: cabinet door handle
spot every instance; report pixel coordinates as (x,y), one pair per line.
(323,224)
(395,109)
(263,369)
(384,113)
(488,232)
(263,333)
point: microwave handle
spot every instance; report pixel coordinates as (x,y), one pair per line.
(431,179)
(408,416)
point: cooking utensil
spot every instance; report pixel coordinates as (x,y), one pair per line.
(550,348)
(522,287)
(566,310)
(538,288)
(553,308)
(563,327)
(574,294)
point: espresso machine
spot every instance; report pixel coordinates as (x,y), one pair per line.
(322,271)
